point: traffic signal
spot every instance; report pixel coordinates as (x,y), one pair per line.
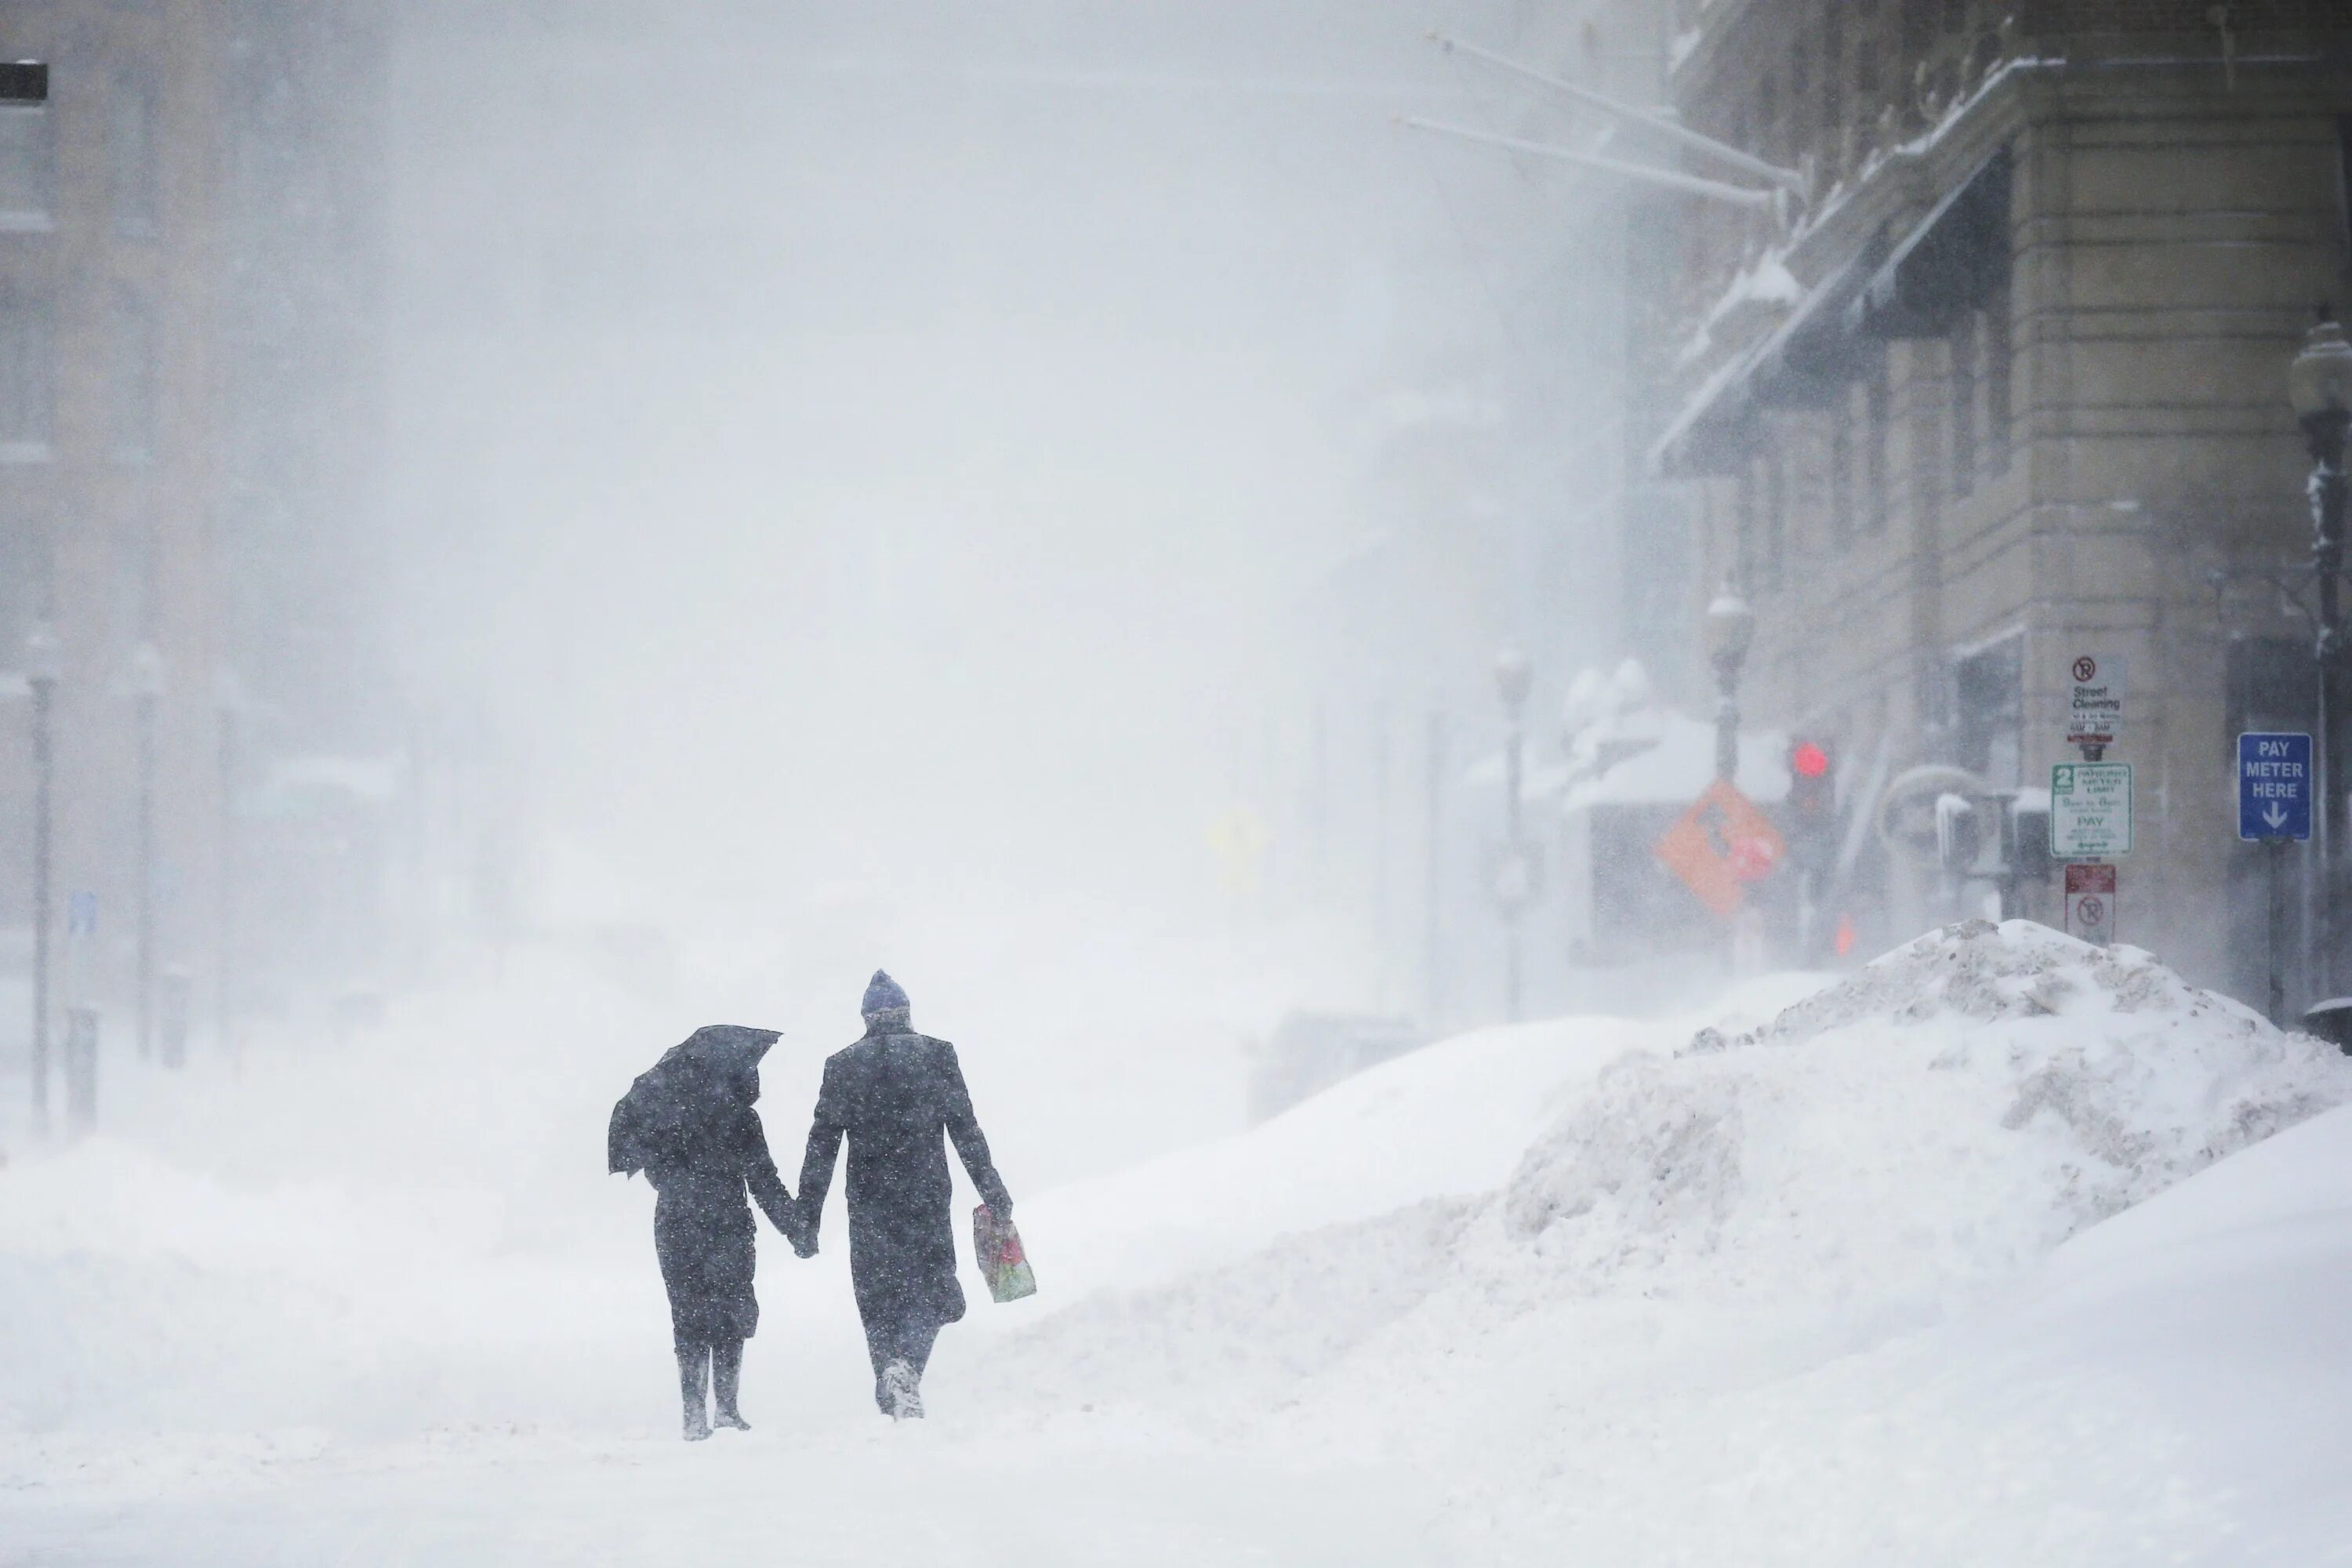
(1812,804)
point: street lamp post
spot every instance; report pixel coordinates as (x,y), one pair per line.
(43,668)
(147,692)
(228,699)
(2320,384)
(1730,629)
(1513,885)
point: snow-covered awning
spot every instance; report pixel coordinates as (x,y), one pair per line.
(1800,363)
(1952,261)
(1676,766)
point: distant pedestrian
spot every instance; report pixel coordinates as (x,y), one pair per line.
(689,1124)
(894,1095)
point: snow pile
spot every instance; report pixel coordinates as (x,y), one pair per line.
(1942,1120)
(1448,1119)
(1740,1231)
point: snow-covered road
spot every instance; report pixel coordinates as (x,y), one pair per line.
(2000,1251)
(811,1492)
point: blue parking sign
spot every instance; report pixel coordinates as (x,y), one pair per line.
(2273,786)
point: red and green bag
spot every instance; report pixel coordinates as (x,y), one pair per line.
(1002,1262)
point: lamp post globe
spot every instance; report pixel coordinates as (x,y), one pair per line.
(2319,380)
(1514,677)
(1730,629)
(146,673)
(44,655)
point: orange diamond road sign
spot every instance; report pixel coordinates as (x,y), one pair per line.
(1722,842)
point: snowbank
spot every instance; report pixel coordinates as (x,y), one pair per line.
(1451,1120)
(1942,1120)
(1714,1271)
(1447,1119)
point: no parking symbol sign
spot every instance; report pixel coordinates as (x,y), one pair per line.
(2091,904)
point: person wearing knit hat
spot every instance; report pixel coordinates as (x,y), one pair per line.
(885,998)
(896,1097)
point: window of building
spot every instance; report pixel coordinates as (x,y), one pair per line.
(2000,372)
(130,155)
(1834,67)
(1800,93)
(1962,392)
(131,380)
(24,576)
(1744,526)
(1879,429)
(28,379)
(1989,711)
(29,169)
(2344,174)
(1919,29)
(136,573)
(1840,483)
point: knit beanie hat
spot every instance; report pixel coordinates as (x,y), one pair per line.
(883,994)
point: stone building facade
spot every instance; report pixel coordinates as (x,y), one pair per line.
(108,441)
(2007,384)
(188,244)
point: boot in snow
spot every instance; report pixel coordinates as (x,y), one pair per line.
(902,1391)
(726,1381)
(693,1360)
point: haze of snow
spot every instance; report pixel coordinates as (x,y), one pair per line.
(1919,1269)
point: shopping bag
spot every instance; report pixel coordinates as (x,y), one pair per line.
(1002,1262)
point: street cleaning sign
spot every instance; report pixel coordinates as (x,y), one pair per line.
(2273,786)
(2094,698)
(2090,810)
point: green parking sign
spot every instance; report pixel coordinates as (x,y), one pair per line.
(2090,810)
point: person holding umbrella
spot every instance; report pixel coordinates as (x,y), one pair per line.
(689,1124)
(893,1094)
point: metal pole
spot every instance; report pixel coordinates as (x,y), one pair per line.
(1649,119)
(1511,790)
(225,962)
(2327,432)
(44,919)
(1434,894)
(1381,855)
(1727,722)
(1318,804)
(146,853)
(2277,855)
(1689,185)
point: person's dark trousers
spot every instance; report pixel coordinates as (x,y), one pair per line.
(894,1339)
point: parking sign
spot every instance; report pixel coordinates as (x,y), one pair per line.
(2273,786)
(2090,810)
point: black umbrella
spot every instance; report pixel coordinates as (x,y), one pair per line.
(698,1082)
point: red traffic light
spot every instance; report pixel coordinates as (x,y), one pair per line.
(1807,761)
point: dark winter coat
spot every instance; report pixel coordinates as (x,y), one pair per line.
(893,1095)
(690,1125)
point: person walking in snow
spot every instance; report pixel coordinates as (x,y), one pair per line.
(690,1125)
(893,1095)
